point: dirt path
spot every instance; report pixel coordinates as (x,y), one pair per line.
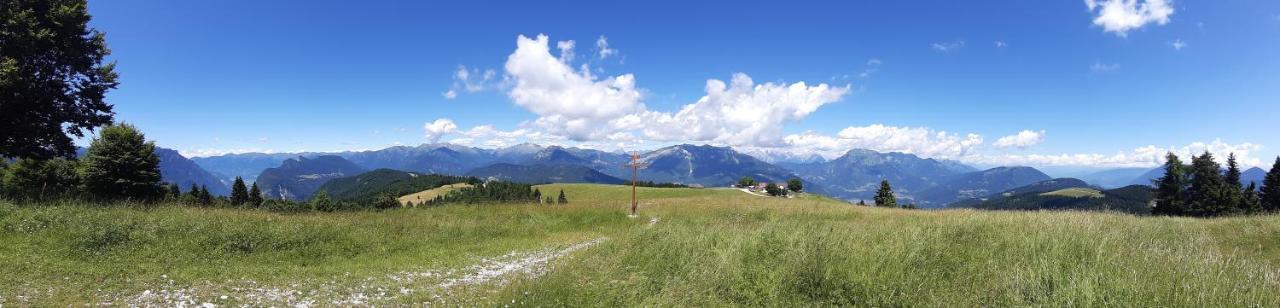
(369,291)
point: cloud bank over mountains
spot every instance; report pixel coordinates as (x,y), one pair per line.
(576,104)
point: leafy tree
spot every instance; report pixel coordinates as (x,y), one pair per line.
(255,195)
(42,179)
(1208,195)
(122,164)
(795,185)
(239,193)
(1270,192)
(320,202)
(746,181)
(1171,189)
(909,206)
(884,196)
(386,202)
(773,190)
(561,199)
(52,79)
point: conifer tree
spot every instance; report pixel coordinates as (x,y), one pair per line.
(205,197)
(862,203)
(884,196)
(1252,204)
(1171,189)
(1270,193)
(537,195)
(1233,190)
(174,191)
(1208,189)
(255,195)
(194,192)
(562,199)
(239,193)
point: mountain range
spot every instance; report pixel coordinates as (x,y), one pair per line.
(927,182)
(296,178)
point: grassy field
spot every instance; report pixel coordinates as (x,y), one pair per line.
(1075,192)
(702,247)
(427,195)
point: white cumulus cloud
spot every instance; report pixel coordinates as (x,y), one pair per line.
(1120,16)
(573,102)
(1021,140)
(434,130)
(741,113)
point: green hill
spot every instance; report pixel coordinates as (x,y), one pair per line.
(1133,199)
(688,247)
(385,182)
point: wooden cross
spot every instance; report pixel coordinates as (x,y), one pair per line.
(635,166)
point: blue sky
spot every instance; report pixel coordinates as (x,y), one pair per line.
(1089,84)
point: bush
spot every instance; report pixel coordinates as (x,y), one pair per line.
(32,179)
(122,164)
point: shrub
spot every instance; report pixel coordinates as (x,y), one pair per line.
(122,164)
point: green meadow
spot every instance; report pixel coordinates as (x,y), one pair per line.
(705,247)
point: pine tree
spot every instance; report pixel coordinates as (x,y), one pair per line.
(862,203)
(174,191)
(194,192)
(1208,189)
(205,197)
(255,195)
(1252,204)
(122,164)
(1270,193)
(1233,190)
(239,193)
(537,195)
(562,198)
(1171,189)
(884,196)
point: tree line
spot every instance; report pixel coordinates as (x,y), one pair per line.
(1205,189)
(496,191)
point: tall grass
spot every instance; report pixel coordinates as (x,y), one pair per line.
(708,247)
